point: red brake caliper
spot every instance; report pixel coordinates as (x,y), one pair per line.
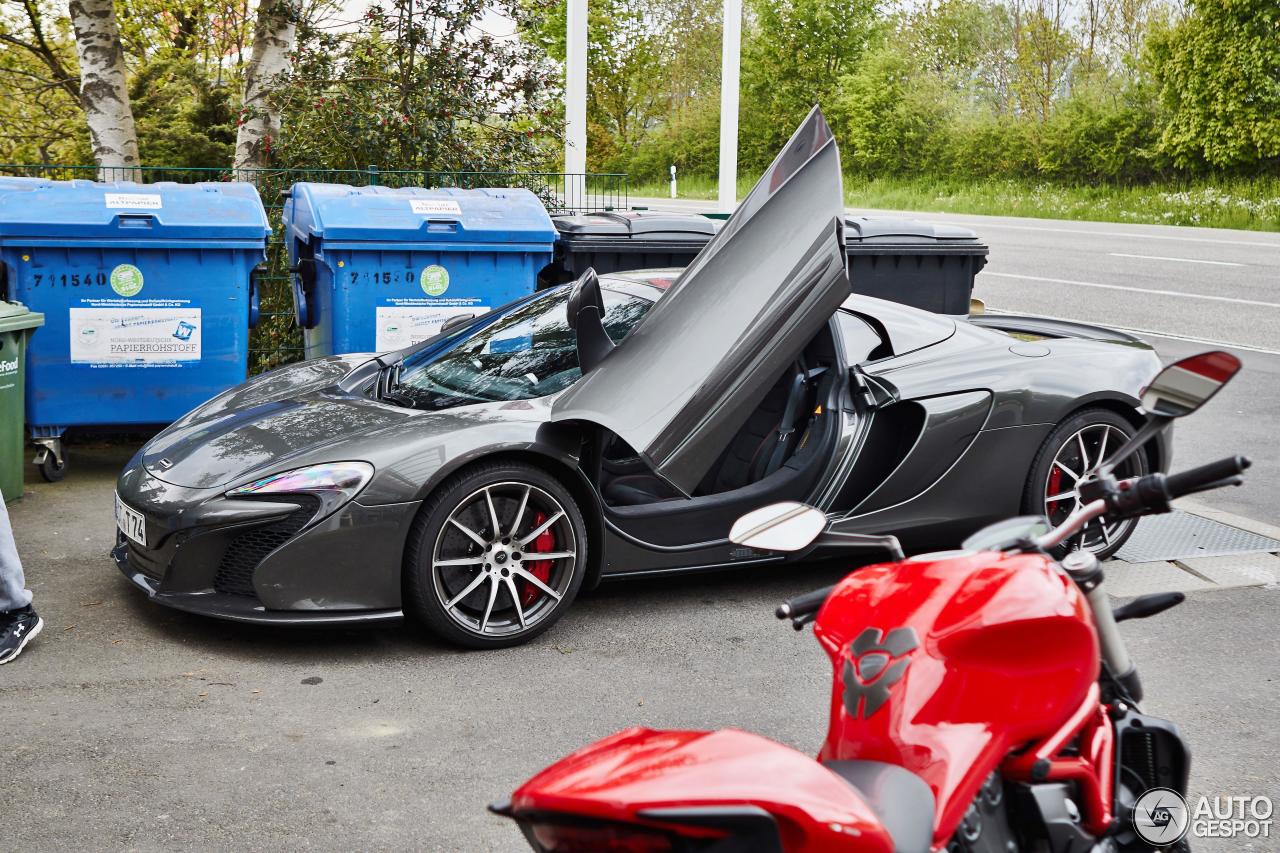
(1055,485)
(540,569)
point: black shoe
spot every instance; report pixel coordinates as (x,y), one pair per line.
(17,628)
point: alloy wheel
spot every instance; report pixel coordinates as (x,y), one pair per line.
(1083,450)
(504,559)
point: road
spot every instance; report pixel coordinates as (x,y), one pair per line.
(1182,289)
(135,727)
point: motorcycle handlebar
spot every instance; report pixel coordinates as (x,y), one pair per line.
(803,605)
(1197,479)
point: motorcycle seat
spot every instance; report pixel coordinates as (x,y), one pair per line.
(901,800)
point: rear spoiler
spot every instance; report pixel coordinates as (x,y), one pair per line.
(1050,328)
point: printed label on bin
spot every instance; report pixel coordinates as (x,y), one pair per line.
(134,335)
(133,201)
(428,206)
(398,328)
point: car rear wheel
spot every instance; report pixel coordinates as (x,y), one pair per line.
(495,557)
(1076,446)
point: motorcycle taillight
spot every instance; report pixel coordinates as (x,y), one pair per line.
(599,838)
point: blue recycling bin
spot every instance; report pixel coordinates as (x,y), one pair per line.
(379,269)
(147,293)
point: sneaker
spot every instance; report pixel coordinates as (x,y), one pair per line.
(17,628)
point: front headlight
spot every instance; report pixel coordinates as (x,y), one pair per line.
(334,483)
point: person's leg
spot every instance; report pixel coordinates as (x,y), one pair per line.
(19,623)
(13,592)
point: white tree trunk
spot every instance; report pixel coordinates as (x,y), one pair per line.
(104,92)
(274,35)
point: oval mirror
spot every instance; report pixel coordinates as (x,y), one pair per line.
(786,526)
(1186,385)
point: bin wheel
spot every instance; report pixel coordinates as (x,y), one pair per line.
(51,469)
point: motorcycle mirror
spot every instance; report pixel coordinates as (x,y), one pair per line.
(785,526)
(1176,392)
(1186,385)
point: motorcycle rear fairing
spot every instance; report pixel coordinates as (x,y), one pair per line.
(945,666)
(638,771)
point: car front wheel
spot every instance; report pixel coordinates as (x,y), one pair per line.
(496,556)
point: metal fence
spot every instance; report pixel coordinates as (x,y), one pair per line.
(277,340)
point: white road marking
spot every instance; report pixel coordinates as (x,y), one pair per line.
(1179,260)
(1152,291)
(1152,332)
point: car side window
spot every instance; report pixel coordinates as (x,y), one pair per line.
(861,342)
(529,352)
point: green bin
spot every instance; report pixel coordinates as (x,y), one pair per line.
(16,326)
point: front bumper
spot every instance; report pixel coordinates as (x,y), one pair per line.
(269,562)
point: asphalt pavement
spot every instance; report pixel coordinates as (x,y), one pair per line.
(130,726)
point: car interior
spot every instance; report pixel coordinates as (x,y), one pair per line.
(777,454)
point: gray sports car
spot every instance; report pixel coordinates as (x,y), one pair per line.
(616,427)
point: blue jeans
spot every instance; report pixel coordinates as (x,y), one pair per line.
(13,592)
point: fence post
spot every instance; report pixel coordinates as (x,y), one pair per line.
(373,175)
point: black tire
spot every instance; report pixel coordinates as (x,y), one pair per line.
(488,585)
(1092,427)
(51,469)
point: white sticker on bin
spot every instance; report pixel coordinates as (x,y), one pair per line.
(134,335)
(133,201)
(429,206)
(400,327)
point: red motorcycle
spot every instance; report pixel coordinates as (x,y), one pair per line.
(984,701)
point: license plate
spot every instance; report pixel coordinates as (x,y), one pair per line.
(131,523)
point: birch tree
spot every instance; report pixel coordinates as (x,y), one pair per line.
(274,36)
(104,93)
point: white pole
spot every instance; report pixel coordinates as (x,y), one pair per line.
(575,104)
(730,59)
(673,181)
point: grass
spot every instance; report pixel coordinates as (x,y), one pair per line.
(1246,204)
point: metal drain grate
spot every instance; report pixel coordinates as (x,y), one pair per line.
(1181,535)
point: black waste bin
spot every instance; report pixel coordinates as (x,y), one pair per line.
(621,241)
(922,264)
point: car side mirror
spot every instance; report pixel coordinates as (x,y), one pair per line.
(455,322)
(1186,385)
(786,526)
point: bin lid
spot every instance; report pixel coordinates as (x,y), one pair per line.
(342,213)
(15,316)
(638,224)
(876,229)
(90,212)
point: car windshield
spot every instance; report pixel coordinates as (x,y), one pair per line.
(528,352)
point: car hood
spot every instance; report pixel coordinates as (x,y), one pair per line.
(284,419)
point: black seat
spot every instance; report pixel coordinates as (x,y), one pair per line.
(901,799)
(753,454)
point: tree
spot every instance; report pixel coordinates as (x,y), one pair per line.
(104,92)
(794,53)
(419,86)
(1219,76)
(40,117)
(273,41)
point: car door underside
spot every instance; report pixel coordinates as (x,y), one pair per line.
(779,453)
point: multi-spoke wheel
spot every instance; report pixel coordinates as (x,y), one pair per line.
(496,556)
(1074,448)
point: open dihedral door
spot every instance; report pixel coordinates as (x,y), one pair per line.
(691,372)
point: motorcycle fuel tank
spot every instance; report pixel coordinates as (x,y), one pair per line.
(945,663)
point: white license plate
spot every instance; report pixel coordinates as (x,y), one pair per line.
(131,523)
